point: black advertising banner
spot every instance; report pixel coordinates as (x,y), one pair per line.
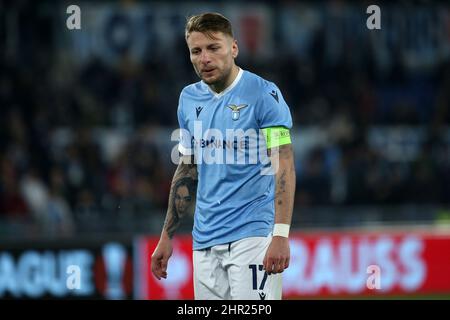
(79,269)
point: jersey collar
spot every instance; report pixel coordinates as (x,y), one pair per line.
(229,88)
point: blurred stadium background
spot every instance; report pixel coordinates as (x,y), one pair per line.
(85,142)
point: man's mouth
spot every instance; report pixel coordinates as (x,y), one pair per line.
(208,70)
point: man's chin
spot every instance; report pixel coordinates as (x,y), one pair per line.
(210,81)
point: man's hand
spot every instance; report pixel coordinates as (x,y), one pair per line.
(277,255)
(160,258)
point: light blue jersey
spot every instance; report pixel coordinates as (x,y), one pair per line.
(234,199)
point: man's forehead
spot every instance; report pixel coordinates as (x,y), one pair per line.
(208,37)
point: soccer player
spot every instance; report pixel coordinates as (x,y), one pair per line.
(242,216)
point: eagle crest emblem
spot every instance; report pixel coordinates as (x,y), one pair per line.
(235,110)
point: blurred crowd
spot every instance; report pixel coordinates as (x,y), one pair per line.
(54,169)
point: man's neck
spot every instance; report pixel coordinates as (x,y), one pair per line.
(220,87)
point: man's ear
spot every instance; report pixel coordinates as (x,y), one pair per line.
(234,49)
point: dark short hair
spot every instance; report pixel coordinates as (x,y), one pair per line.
(207,23)
(189,183)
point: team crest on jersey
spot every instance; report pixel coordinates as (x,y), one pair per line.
(235,110)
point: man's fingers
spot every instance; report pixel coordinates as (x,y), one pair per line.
(268,265)
(271,265)
(160,259)
(280,267)
(286,263)
(156,271)
(159,267)
(164,268)
(160,274)
(164,265)
(276,265)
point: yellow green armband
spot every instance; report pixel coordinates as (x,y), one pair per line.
(276,136)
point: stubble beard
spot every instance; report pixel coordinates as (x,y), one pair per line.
(220,81)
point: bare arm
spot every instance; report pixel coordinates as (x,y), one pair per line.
(187,171)
(184,184)
(278,254)
(285,184)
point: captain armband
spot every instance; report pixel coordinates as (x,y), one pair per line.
(276,136)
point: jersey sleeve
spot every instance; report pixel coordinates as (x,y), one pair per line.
(185,143)
(272,110)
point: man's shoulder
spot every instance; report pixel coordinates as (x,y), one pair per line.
(256,81)
(193,89)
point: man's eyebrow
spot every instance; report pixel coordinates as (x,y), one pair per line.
(207,46)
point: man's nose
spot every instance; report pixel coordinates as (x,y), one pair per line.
(205,58)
